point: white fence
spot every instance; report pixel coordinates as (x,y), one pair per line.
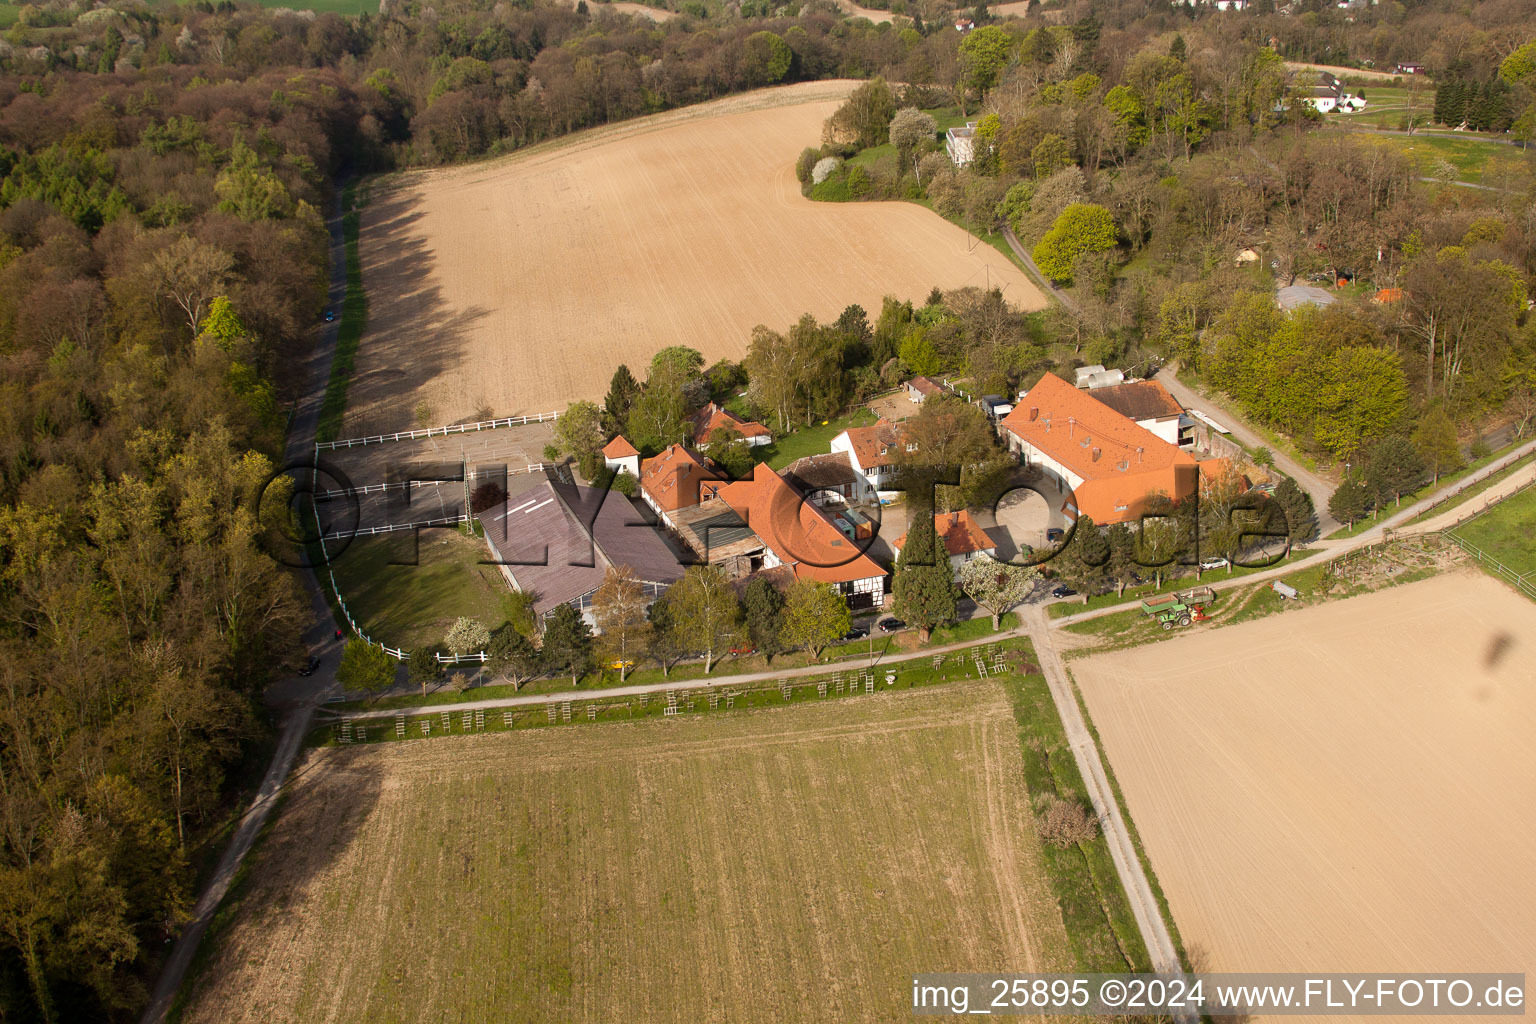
(452,428)
(347,492)
(369,531)
(1521,580)
(399,654)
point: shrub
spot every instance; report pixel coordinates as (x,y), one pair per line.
(487,495)
(823,169)
(1064,823)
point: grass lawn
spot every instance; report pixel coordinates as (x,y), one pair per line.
(812,440)
(9,15)
(1473,158)
(1470,493)
(410,605)
(1507,531)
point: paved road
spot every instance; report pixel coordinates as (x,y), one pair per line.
(294,698)
(1319,487)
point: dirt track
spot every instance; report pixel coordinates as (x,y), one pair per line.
(796,864)
(519,285)
(1340,788)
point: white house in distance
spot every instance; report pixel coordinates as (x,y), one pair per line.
(919,388)
(960,144)
(870,452)
(962,537)
(619,454)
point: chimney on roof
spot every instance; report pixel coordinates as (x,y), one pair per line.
(1139,450)
(1071,425)
(1034,413)
(1096,453)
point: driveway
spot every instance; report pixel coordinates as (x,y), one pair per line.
(1319,487)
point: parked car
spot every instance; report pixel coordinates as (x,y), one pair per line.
(310,666)
(1053,535)
(744,649)
(330,315)
(891,625)
(621,664)
(856,633)
(1062,590)
(1214,563)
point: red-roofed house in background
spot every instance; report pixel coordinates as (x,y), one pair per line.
(712,418)
(962,536)
(871,452)
(919,388)
(620,454)
(1384,296)
(796,533)
(678,479)
(1105,465)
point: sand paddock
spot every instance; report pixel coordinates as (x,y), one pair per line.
(519,285)
(1346,787)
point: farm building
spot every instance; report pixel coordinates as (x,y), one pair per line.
(960,144)
(919,388)
(678,479)
(1148,404)
(557,541)
(619,454)
(712,417)
(870,451)
(962,537)
(796,532)
(1104,465)
(826,478)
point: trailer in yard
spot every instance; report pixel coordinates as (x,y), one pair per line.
(1285,590)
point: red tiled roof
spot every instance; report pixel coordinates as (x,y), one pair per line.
(796,530)
(960,533)
(871,444)
(1121,464)
(712,418)
(1386,295)
(619,448)
(678,478)
(923,386)
(1212,470)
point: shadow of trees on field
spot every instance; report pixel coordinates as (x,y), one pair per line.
(412,336)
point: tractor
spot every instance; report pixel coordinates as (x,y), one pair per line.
(1179,608)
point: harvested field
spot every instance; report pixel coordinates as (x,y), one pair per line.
(783,865)
(520,284)
(1341,788)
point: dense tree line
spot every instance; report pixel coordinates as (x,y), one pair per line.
(161,255)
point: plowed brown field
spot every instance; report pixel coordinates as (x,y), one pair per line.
(520,285)
(797,864)
(1343,788)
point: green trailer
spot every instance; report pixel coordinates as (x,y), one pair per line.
(1179,608)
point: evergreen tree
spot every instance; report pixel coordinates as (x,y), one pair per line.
(1436,442)
(1347,504)
(1392,469)
(623,389)
(567,642)
(923,587)
(512,655)
(365,666)
(763,609)
(423,668)
(1300,516)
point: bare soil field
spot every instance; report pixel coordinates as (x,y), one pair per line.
(518,285)
(794,864)
(1342,788)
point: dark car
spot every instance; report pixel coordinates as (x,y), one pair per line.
(892,625)
(310,666)
(330,315)
(1053,535)
(856,633)
(1063,591)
